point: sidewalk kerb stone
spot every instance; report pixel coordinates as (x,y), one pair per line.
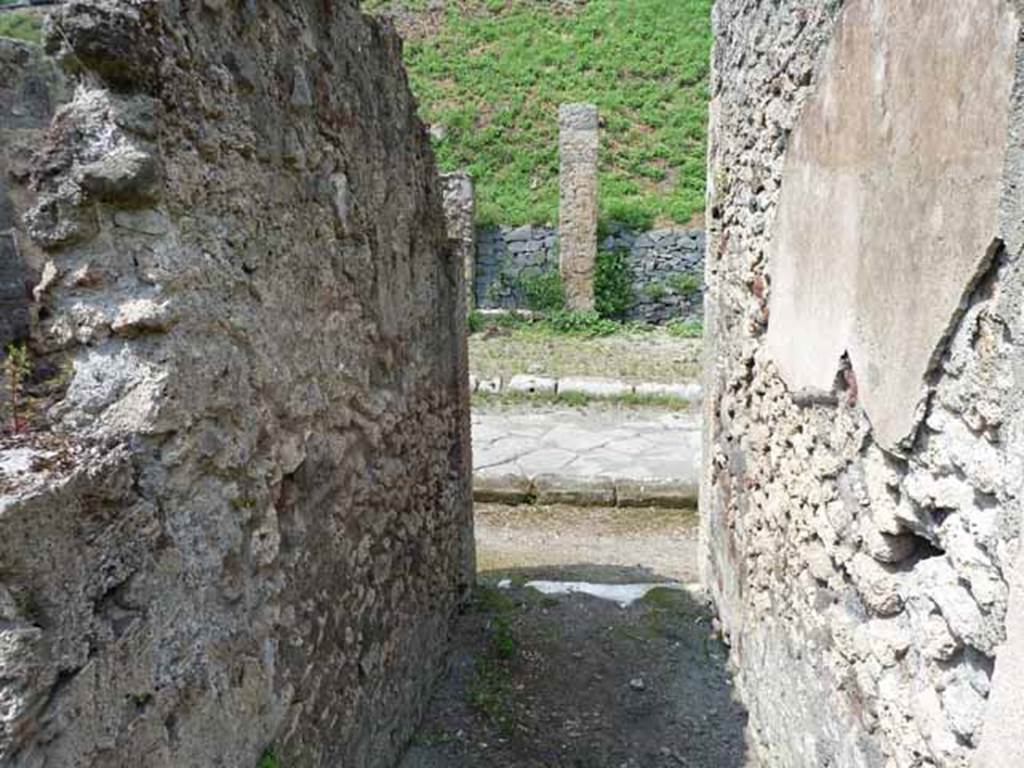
(594,386)
(690,392)
(532,385)
(671,494)
(581,491)
(502,488)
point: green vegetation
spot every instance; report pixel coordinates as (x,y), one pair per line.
(491,692)
(580,400)
(613,293)
(492,75)
(16,369)
(269,759)
(613,284)
(685,329)
(685,283)
(22,26)
(543,292)
(654,291)
(579,324)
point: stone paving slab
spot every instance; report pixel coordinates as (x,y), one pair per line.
(594,387)
(630,457)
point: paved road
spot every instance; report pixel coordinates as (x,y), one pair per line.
(622,449)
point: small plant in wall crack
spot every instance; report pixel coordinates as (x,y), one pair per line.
(16,370)
(269,759)
(686,283)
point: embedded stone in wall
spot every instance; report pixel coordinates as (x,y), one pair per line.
(577,214)
(241,515)
(460,215)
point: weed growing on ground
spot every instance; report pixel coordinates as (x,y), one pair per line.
(572,399)
(544,291)
(613,284)
(476,322)
(588,324)
(503,641)
(685,329)
(579,400)
(493,75)
(490,692)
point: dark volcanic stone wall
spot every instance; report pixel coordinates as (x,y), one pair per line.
(31,88)
(666,268)
(246,522)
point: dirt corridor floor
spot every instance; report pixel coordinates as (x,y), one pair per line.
(659,544)
(540,678)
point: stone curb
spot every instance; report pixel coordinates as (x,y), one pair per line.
(592,386)
(582,491)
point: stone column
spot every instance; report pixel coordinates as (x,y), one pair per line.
(460,214)
(577,216)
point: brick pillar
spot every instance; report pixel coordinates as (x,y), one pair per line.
(577,216)
(459,214)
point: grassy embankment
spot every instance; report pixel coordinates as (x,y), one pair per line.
(490,75)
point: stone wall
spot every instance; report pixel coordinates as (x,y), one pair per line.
(460,217)
(241,516)
(31,87)
(667,267)
(863,422)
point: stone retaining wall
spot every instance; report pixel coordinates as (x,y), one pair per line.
(667,267)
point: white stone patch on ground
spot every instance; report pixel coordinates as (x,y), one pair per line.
(623,594)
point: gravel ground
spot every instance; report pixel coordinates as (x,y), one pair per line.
(575,681)
(662,542)
(633,357)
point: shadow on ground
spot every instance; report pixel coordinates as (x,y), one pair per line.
(573,680)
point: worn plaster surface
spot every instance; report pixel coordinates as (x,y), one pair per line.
(862,577)
(889,214)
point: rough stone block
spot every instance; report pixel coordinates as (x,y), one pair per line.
(582,491)
(690,392)
(577,216)
(593,386)
(532,385)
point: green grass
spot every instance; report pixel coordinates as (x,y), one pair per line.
(22,26)
(495,72)
(269,759)
(685,329)
(578,400)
